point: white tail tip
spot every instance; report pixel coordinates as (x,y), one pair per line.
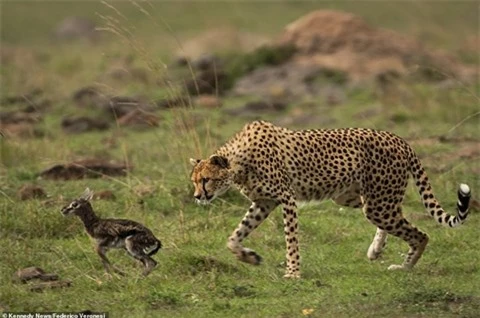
(464,189)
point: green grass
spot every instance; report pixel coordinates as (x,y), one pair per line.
(197,276)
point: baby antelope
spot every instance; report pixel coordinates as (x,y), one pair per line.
(135,238)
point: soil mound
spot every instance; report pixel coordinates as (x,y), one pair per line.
(327,37)
(344,43)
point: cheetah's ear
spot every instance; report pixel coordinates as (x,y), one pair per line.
(194,162)
(87,195)
(219,161)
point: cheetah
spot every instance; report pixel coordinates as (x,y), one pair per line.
(355,167)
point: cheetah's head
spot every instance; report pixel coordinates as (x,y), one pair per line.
(211,178)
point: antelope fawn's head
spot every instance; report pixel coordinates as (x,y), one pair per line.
(78,205)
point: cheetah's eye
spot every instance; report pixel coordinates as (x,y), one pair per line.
(205,180)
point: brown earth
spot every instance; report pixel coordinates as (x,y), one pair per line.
(343,43)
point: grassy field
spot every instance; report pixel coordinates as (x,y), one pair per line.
(197,276)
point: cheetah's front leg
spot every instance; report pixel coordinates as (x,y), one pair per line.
(258,211)
(290,223)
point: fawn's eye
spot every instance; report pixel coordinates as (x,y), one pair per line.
(74,205)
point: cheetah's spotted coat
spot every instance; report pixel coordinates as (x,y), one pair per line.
(355,167)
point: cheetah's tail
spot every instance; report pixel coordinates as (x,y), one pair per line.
(431,203)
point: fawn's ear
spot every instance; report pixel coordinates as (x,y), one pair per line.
(194,162)
(87,194)
(220,161)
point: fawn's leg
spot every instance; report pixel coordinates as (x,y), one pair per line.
(135,246)
(102,252)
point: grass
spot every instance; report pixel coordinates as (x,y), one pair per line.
(197,276)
